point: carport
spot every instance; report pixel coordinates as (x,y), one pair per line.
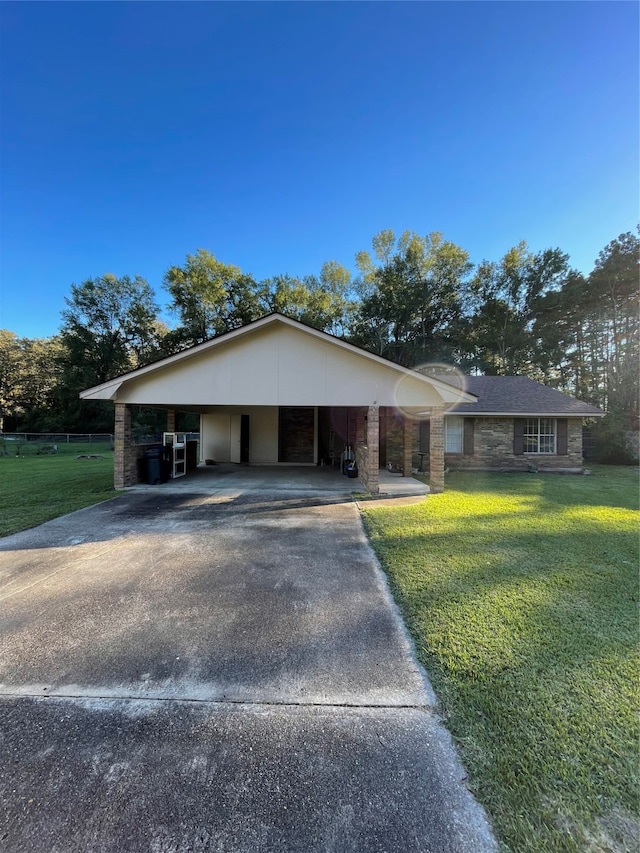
(278,393)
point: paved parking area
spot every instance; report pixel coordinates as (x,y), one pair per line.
(216,670)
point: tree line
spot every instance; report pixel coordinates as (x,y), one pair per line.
(414,299)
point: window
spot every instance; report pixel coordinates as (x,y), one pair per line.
(539,435)
(453,432)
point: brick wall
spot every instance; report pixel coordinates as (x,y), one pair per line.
(367,452)
(127,468)
(394,434)
(436,454)
(493,449)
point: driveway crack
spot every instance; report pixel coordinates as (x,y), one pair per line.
(269,703)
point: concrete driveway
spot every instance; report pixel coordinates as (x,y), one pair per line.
(216,671)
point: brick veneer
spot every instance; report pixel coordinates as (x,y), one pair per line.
(393,430)
(367,448)
(401,438)
(122,443)
(436,452)
(126,464)
(407,446)
(493,449)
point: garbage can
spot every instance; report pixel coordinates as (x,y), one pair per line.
(154,455)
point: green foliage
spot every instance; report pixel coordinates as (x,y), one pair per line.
(416,303)
(614,301)
(521,593)
(29,374)
(109,327)
(411,303)
(210,298)
(611,442)
(503,299)
(321,302)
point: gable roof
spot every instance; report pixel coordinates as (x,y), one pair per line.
(218,364)
(521,397)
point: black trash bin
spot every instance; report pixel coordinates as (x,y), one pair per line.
(154,458)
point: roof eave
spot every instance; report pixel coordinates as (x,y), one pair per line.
(538,414)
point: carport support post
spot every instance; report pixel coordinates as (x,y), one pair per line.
(436,451)
(122,477)
(171,420)
(407,458)
(373,449)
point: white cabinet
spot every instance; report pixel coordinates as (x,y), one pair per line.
(176,442)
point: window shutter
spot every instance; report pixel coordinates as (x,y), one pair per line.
(518,432)
(467,445)
(425,436)
(561,436)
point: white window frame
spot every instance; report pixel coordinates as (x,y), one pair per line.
(540,436)
(454,434)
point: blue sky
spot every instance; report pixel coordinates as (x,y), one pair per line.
(281,135)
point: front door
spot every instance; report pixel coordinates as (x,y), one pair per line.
(296,435)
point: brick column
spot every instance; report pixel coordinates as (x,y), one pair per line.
(436,452)
(361,439)
(407,452)
(373,449)
(122,445)
(171,420)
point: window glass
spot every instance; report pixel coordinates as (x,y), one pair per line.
(539,435)
(453,430)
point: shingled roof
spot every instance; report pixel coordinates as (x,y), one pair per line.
(520,396)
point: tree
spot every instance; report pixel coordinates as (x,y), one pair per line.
(558,337)
(210,298)
(613,297)
(11,366)
(411,299)
(504,297)
(318,301)
(29,374)
(109,327)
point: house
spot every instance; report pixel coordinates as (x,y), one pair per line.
(515,424)
(277,392)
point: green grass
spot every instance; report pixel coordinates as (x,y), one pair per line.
(34,489)
(521,593)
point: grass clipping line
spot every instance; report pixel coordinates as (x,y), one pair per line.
(521,594)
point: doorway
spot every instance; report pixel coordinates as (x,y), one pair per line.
(240,432)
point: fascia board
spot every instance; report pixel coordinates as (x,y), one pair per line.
(540,414)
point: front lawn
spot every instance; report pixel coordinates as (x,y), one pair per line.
(34,489)
(521,592)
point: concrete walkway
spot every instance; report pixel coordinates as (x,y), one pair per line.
(219,671)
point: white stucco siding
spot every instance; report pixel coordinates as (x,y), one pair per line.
(279,366)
